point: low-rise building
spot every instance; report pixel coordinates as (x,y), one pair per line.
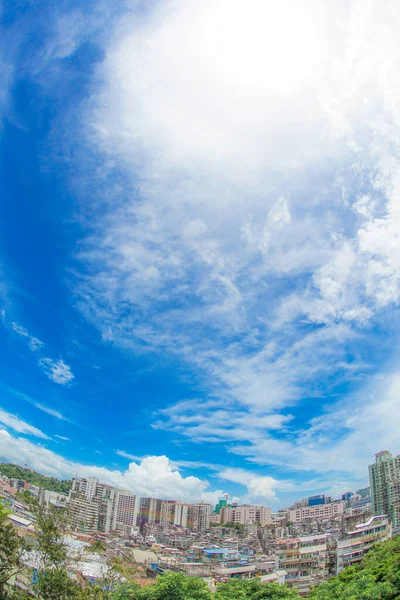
(357,542)
(305,559)
(317,512)
(246,514)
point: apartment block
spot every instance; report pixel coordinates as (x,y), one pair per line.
(126,509)
(245,515)
(149,511)
(113,505)
(384,476)
(83,514)
(317,512)
(305,559)
(182,514)
(199,516)
(357,542)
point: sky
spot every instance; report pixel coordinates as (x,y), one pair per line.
(199,243)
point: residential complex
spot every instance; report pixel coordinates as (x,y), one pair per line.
(246,515)
(154,511)
(384,478)
(317,511)
(356,543)
(90,500)
(306,560)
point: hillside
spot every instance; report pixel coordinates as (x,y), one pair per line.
(48,483)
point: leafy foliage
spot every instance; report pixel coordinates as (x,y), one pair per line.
(253,589)
(48,483)
(376,578)
(11,548)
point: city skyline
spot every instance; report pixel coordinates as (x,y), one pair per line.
(199,252)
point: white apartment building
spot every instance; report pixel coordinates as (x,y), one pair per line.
(126,509)
(317,512)
(356,543)
(113,504)
(245,515)
(182,514)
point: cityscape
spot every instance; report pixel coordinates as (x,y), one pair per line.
(199,300)
(301,546)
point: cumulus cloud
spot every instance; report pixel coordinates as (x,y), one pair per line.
(153,476)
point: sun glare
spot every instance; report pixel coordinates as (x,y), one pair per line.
(269,45)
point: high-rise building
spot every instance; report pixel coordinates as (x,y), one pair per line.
(199,516)
(182,514)
(383,476)
(83,514)
(113,505)
(149,511)
(126,508)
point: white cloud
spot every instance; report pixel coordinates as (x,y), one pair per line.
(153,476)
(62,437)
(254,231)
(17,424)
(57,370)
(344,439)
(36,404)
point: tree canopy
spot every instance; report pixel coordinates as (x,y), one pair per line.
(62,486)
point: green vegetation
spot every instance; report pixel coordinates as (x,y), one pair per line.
(231,525)
(48,483)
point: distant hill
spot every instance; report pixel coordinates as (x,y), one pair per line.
(48,483)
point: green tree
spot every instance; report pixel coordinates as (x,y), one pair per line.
(362,585)
(253,589)
(175,586)
(48,483)
(54,581)
(11,548)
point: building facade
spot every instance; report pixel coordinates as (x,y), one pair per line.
(317,512)
(246,515)
(384,477)
(357,542)
(306,561)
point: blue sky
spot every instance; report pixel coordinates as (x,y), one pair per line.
(199,249)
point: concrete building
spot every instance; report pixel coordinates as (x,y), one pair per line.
(106,497)
(182,514)
(357,542)
(126,509)
(215,518)
(306,561)
(83,513)
(199,516)
(317,512)
(246,515)
(149,511)
(167,512)
(384,478)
